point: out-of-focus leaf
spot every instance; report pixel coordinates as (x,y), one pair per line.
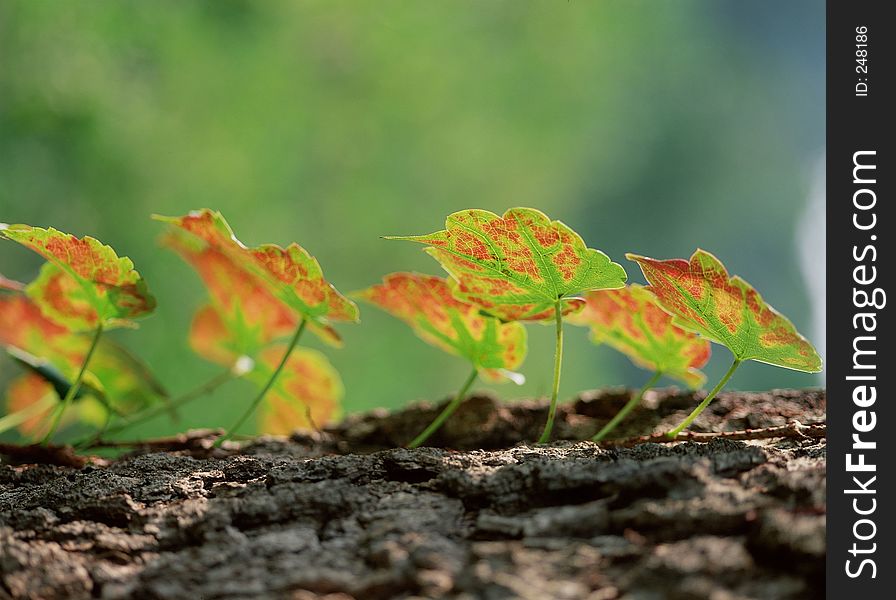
(114,376)
(426,304)
(517,266)
(631,321)
(60,383)
(726,310)
(23,325)
(25,391)
(87,284)
(308,384)
(290,274)
(306,395)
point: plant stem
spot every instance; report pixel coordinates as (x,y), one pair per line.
(631,404)
(706,400)
(20,416)
(558,360)
(150,413)
(446,412)
(267,386)
(76,385)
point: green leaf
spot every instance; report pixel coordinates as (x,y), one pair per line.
(291,274)
(727,310)
(85,283)
(631,321)
(426,304)
(306,395)
(517,266)
(54,354)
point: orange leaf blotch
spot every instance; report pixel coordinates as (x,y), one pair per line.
(23,392)
(567,262)
(24,326)
(469,244)
(210,338)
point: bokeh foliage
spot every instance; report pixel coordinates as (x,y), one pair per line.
(648,127)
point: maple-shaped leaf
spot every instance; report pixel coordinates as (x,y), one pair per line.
(30,397)
(86,283)
(426,304)
(290,274)
(308,385)
(631,321)
(241,302)
(727,310)
(306,395)
(520,265)
(124,382)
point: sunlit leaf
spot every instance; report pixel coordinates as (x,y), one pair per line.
(124,381)
(290,274)
(26,391)
(87,282)
(726,310)
(426,304)
(517,266)
(24,326)
(308,385)
(631,321)
(306,395)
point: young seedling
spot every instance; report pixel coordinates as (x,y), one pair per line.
(117,381)
(728,311)
(426,303)
(256,295)
(521,267)
(631,321)
(84,286)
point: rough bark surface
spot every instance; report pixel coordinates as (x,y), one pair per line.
(333,515)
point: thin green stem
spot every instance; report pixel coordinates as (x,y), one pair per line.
(446,412)
(629,406)
(153,412)
(267,386)
(76,385)
(706,400)
(558,360)
(20,416)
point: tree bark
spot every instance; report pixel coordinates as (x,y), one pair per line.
(334,515)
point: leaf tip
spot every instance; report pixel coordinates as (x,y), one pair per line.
(514,376)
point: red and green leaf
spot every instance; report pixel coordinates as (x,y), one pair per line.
(306,395)
(308,387)
(122,379)
(26,391)
(427,304)
(290,274)
(631,321)
(87,283)
(727,310)
(519,265)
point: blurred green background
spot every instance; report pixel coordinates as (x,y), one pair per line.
(652,127)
